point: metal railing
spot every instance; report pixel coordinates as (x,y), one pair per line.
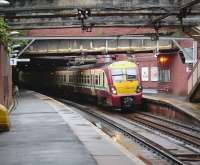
(194,77)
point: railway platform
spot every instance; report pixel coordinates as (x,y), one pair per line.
(180,103)
(45,131)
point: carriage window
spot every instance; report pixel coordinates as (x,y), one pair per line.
(70,78)
(96,80)
(99,79)
(131,74)
(83,79)
(88,79)
(103,79)
(91,79)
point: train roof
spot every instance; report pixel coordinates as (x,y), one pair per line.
(88,66)
(100,65)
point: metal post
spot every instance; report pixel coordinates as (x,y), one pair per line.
(157,47)
(27,46)
(194,45)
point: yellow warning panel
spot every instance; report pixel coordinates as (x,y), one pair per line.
(4,119)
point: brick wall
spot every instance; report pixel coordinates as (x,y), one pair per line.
(5,79)
(147,60)
(179,76)
(100,31)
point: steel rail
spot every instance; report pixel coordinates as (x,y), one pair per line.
(159,149)
(189,138)
(188,157)
(141,139)
(170,121)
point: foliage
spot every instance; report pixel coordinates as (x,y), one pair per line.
(4,33)
(22,43)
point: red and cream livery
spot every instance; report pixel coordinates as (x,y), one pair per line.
(116,84)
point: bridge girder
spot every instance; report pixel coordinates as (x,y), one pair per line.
(45,13)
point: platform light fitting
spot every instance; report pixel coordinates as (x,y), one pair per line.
(14,33)
(4,2)
(15,51)
(83,13)
(13,55)
(16,46)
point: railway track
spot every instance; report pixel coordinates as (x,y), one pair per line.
(168,121)
(178,158)
(189,135)
(186,136)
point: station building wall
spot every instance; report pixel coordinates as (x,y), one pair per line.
(147,61)
(178,72)
(5,79)
(179,76)
(98,31)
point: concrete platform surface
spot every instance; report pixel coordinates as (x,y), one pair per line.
(47,132)
(192,109)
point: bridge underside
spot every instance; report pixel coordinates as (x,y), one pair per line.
(94,45)
(28,14)
(143,18)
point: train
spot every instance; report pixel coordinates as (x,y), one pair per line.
(115,84)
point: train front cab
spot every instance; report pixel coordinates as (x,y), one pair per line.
(125,88)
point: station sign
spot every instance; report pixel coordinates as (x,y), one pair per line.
(14,61)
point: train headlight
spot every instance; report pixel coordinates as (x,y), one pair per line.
(113,90)
(139,89)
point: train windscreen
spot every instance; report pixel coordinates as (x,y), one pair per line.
(119,75)
(131,74)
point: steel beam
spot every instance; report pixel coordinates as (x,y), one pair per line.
(78,26)
(68,8)
(26,47)
(94,14)
(187,5)
(97,53)
(128,37)
(190,57)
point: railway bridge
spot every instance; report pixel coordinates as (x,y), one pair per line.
(75,32)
